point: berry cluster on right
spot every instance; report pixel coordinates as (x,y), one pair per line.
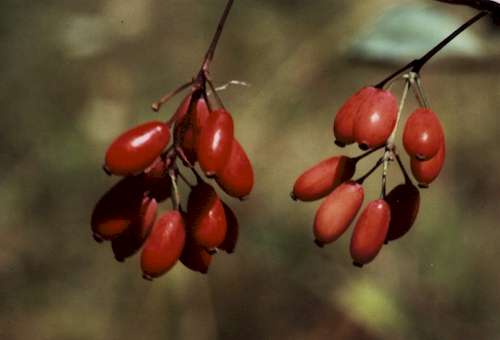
(370,118)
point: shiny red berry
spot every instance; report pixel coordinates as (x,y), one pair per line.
(376,119)
(206,219)
(370,232)
(404,201)
(422,134)
(129,242)
(236,176)
(136,149)
(196,257)
(425,172)
(337,212)
(188,129)
(343,125)
(319,180)
(118,208)
(164,245)
(215,142)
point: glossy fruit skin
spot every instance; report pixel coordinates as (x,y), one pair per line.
(343,124)
(375,120)
(404,202)
(425,172)
(236,177)
(337,212)
(137,148)
(206,219)
(370,232)
(319,180)
(215,142)
(164,245)
(422,134)
(188,127)
(129,242)
(229,243)
(118,208)
(196,257)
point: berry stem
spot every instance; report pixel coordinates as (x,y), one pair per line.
(225,86)
(386,159)
(158,104)
(403,170)
(418,90)
(213,45)
(389,145)
(216,95)
(175,196)
(417,64)
(371,171)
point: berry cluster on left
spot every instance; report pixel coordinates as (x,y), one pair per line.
(150,158)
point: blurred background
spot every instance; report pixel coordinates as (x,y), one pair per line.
(74,74)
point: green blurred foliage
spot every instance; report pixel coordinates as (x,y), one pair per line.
(76,73)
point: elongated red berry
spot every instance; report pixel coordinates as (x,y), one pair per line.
(215,141)
(337,212)
(206,219)
(164,245)
(188,129)
(137,149)
(376,119)
(229,243)
(370,232)
(404,201)
(195,257)
(118,208)
(425,172)
(182,110)
(319,180)
(236,176)
(343,124)
(130,241)
(422,134)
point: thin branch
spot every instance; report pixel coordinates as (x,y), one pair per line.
(417,64)
(213,45)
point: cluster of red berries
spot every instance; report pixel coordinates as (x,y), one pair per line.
(127,213)
(147,158)
(370,118)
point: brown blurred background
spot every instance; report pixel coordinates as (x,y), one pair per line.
(74,74)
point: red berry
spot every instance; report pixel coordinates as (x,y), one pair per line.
(337,212)
(343,125)
(136,149)
(183,109)
(423,134)
(427,171)
(118,208)
(188,128)
(129,242)
(164,245)
(236,176)
(205,216)
(376,119)
(215,141)
(196,257)
(404,201)
(231,238)
(370,232)
(319,180)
